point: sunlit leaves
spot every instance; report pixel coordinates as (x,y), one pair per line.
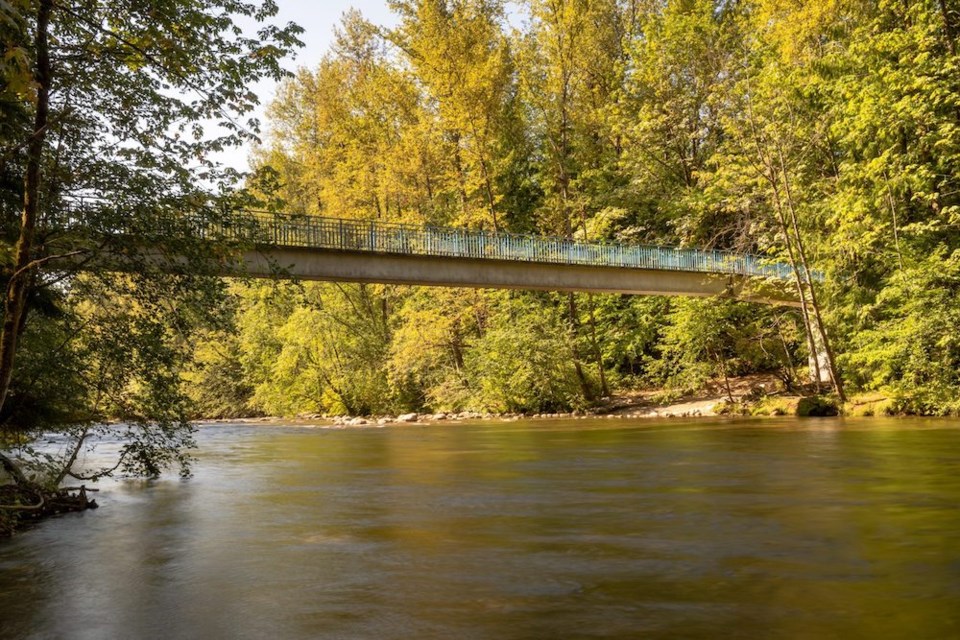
(685,122)
(142,94)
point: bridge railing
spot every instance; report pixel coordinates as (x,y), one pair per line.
(314,232)
(379,237)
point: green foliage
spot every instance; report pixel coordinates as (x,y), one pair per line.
(141,97)
(909,343)
(522,360)
(631,327)
(434,331)
(216,382)
(671,122)
(341,349)
(111,348)
(684,123)
(315,348)
(817,406)
(708,339)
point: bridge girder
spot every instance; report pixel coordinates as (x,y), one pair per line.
(365,266)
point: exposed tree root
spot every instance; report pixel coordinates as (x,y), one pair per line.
(23,505)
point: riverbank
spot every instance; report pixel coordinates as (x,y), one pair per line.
(747,396)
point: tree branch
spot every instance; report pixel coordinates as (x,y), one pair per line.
(39,262)
(29,507)
(73,456)
(152,59)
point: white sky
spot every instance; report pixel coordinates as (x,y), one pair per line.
(318,18)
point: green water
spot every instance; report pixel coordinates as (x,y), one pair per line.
(582,529)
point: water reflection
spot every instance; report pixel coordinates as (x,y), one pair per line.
(576,530)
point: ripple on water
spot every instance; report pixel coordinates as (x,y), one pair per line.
(580,528)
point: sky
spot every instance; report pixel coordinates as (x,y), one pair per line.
(318,19)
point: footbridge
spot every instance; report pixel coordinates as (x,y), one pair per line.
(271,245)
(317,248)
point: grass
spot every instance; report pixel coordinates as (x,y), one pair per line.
(869,404)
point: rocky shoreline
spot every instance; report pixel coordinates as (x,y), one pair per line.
(680,410)
(756,395)
(752,396)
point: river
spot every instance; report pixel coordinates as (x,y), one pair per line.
(780,528)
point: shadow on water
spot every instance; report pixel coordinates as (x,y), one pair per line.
(581,529)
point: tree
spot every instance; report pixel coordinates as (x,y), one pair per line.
(457,50)
(435,329)
(774,157)
(893,205)
(317,348)
(707,339)
(522,361)
(667,121)
(571,69)
(126,102)
(351,139)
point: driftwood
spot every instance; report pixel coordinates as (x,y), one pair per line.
(22,505)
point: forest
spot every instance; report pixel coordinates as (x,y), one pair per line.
(825,135)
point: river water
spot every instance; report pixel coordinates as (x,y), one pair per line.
(819,528)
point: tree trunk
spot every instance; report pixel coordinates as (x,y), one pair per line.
(491,206)
(821,328)
(893,214)
(456,347)
(721,362)
(17,286)
(804,310)
(73,457)
(790,369)
(948,26)
(577,365)
(771,175)
(487,180)
(461,178)
(598,354)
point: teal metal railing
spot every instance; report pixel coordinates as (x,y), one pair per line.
(314,232)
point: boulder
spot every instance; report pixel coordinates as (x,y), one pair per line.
(407,417)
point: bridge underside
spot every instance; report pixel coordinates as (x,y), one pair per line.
(365,266)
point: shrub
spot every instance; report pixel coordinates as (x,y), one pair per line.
(817,406)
